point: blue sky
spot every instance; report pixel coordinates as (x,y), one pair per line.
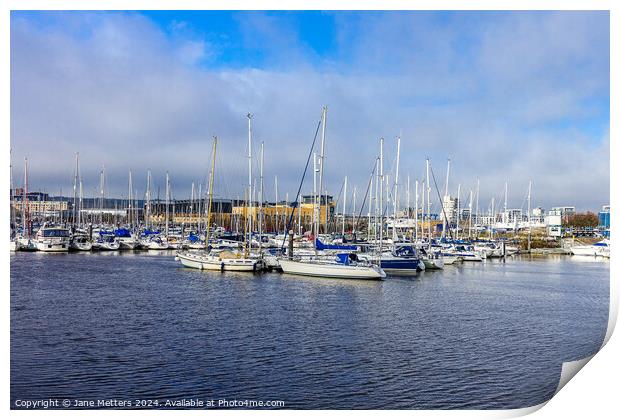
(505,95)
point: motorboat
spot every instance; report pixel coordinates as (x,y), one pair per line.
(51,238)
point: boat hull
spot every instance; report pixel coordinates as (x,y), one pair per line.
(214,263)
(313,269)
(46,246)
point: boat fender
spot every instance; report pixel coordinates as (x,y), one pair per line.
(222,266)
(254,267)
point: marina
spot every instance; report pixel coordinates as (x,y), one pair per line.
(307,209)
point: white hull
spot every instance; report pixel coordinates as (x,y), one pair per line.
(13,246)
(106,246)
(80,246)
(215,263)
(449,260)
(590,251)
(331,270)
(46,246)
(127,244)
(433,263)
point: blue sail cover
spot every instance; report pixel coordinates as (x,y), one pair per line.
(193,238)
(320,246)
(148,232)
(122,233)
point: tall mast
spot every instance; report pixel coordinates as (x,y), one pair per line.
(381,197)
(260,199)
(129,216)
(315,209)
(529,220)
(445,197)
(428,200)
(277,215)
(320,191)
(416,210)
(458,209)
(471,196)
(505,203)
(211,176)
(492,219)
(370,207)
(322,167)
(408,203)
(168,201)
(101,192)
(25,209)
(148,199)
(477,199)
(396,191)
(344,206)
(81,204)
(191,203)
(75,181)
(423,229)
(250,227)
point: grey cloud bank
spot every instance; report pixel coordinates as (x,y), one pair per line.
(519,97)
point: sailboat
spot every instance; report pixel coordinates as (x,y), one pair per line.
(341,266)
(217,260)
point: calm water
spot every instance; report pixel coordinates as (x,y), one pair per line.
(138,326)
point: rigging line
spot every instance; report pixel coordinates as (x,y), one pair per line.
(372,174)
(290,219)
(336,204)
(440,201)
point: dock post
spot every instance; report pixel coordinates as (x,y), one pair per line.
(290,244)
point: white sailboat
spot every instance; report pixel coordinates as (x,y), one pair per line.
(217,260)
(343,266)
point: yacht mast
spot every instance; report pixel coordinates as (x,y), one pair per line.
(394,235)
(211,176)
(416,209)
(458,209)
(277,215)
(344,206)
(322,162)
(75,181)
(381,197)
(471,196)
(443,212)
(529,220)
(147,218)
(130,202)
(166,214)
(477,199)
(260,199)
(428,200)
(250,227)
(25,209)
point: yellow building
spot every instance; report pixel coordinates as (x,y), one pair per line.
(41,207)
(283,212)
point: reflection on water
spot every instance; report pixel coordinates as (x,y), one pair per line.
(138,325)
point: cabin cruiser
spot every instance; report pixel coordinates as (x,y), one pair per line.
(598,249)
(52,239)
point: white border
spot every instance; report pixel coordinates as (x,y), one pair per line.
(593,394)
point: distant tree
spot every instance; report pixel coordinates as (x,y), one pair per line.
(582,220)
